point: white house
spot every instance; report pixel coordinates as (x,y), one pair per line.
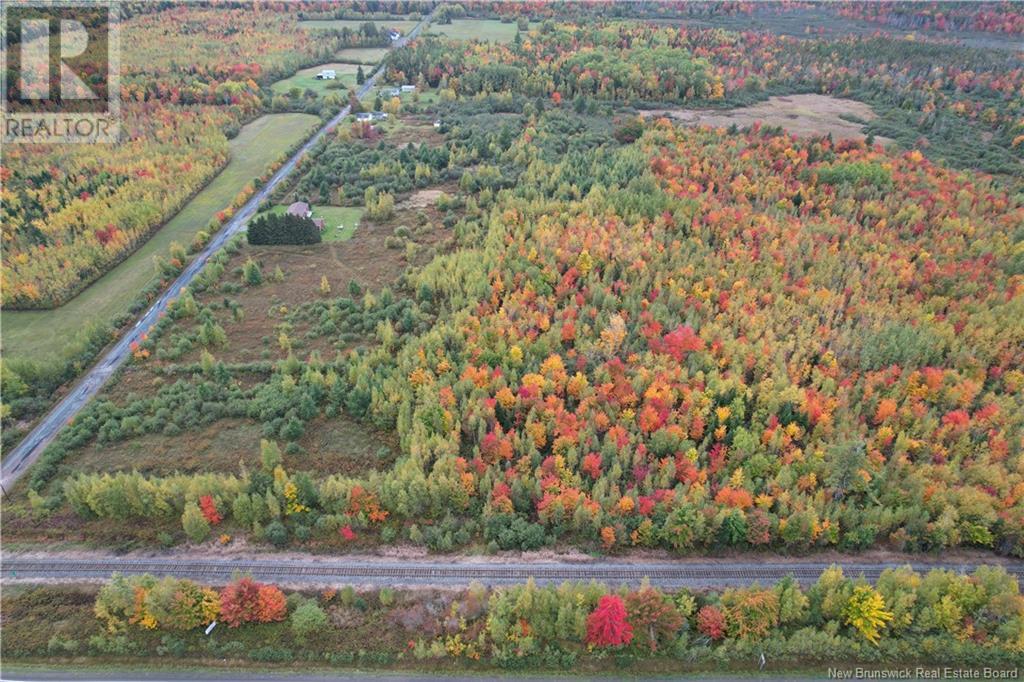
(327,75)
(390,92)
(371,116)
(408,88)
(395,34)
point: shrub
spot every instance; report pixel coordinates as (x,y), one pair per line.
(247,601)
(276,534)
(307,619)
(196,526)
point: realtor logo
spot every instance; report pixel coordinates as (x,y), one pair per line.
(60,71)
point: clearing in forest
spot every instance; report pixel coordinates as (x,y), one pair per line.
(305,79)
(490,30)
(803,115)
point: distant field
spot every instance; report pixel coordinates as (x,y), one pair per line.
(802,115)
(362,55)
(305,79)
(480,29)
(354,24)
(340,222)
(42,335)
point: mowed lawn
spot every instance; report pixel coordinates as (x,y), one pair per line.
(490,30)
(340,222)
(305,79)
(42,335)
(369,56)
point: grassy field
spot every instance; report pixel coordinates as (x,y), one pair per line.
(43,334)
(305,79)
(340,221)
(480,29)
(362,55)
(335,445)
(354,24)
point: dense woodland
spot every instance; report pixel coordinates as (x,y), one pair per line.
(630,335)
(61,234)
(939,98)
(991,17)
(699,339)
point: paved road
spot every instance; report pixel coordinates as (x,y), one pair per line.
(373,571)
(20,459)
(154,673)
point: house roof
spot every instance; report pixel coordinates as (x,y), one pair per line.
(299,208)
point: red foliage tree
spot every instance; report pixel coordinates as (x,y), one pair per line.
(711,622)
(679,342)
(607,625)
(209,509)
(272,605)
(247,601)
(239,602)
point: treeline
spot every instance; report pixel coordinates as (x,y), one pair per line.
(283,228)
(559,62)
(988,17)
(936,618)
(939,98)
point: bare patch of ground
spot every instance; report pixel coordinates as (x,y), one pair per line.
(802,115)
(414,132)
(423,198)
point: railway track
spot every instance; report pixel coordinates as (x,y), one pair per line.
(697,575)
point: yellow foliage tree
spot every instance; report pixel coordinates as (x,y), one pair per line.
(866,612)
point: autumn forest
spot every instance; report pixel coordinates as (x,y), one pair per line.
(607,283)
